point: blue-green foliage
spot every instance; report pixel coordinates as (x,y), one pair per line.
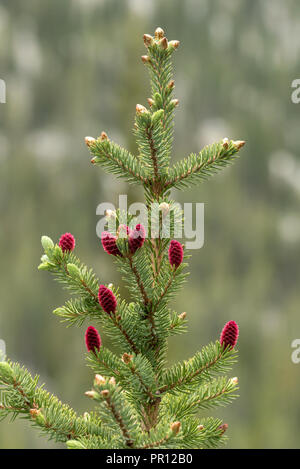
(140,403)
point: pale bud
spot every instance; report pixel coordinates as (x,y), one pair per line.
(182,316)
(148,40)
(99,380)
(159,33)
(200,427)
(110,214)
(110,286)
(126,358)
(103,136)
(164,207)
(171,84)
(145,59)
(238,143)
(150,102)
(89,141)
(47,243)
(34,413)
(112,381)
(225,142)
(174,44)
(86,416)
(235,380)
(91,394)
(164,43)
(175,427)
(140,109)
(174,102)
(105,393)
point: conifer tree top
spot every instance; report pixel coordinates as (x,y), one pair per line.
(140,401)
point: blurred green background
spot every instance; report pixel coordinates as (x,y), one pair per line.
(73,68)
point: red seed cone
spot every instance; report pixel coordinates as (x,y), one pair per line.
(109,244)
(229,334)
(137,238)
(92,339)
(175,253)
(107,299)
(67,242)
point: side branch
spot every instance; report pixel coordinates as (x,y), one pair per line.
(165,291)
(21,395)
(153,153)
(143,384)
(119,420)
(104,362)
(211,360)
(139,281)
(124,333)
(189,378)
(195,168)
(116,160)
(78,281)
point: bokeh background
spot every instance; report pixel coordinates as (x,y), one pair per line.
(73,68)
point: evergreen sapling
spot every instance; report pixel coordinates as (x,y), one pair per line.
(140,402)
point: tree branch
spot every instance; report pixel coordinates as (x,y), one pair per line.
(190,377)
(139,281)
(117,416)
(153,153)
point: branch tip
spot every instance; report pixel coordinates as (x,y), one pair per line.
(159,33)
